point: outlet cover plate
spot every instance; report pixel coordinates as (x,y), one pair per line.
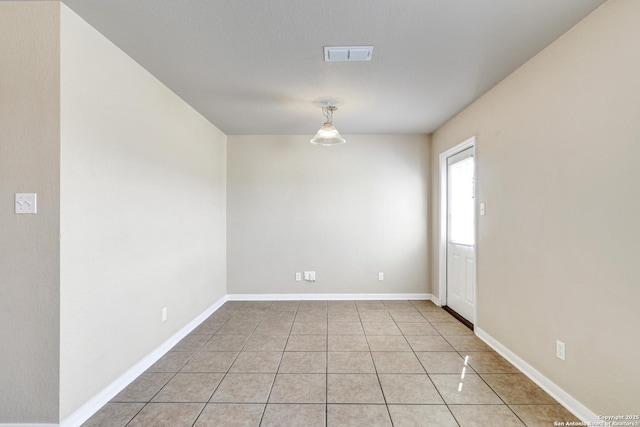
(560,350)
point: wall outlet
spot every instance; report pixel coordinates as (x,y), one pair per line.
(381,276)
(560,349)
(298,277)
(310,276)
(164,314)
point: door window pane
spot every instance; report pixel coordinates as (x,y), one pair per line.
(461,202)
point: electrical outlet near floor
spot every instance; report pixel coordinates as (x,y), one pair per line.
(560,349)
(164,314)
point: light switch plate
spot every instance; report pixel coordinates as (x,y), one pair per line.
(26,203)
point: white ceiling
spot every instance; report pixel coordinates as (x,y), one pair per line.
(256,66)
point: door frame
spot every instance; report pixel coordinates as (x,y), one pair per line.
(442,289)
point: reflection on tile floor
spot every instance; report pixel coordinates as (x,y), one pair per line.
(331,363)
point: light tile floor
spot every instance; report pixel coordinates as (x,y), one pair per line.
(331,363)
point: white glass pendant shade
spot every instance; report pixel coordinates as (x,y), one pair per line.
(328,135)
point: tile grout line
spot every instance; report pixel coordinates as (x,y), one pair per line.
(326,374)
(173,376)
(479,376)
(425,369)
(375,367)
(383,395)
(429,375)
(225,374)
(459,354)
(140,410)
(264,410)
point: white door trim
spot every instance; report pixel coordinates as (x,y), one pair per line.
(442,289)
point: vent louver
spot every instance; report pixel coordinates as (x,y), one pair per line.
(347,53)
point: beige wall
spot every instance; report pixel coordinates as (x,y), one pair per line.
(347,212)
(558,149)
(29,252)
(134,182)
(143,213)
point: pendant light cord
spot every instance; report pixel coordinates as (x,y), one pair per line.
(328,113)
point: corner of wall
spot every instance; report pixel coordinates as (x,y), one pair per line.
(29,252)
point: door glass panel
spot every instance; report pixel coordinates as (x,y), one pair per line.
(461,202)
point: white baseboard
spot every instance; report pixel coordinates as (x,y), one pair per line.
(98,401)
(325,297)
(564,398)
(436,300)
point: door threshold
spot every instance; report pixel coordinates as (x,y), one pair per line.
(462,320)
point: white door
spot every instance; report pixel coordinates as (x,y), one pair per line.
(461,257)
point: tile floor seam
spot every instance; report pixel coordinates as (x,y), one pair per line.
(199,413)
(264,409)
(223,377)
(326,374)
(505,403)
(429,375)
(175,374)
(453,415)
(517,416)
(160,389)
(384,397)
(431,379)
(132,418)
(494,391)
(225,373)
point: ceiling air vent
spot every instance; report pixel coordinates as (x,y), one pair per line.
(347,53)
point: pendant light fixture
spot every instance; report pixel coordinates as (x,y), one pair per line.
(328,134)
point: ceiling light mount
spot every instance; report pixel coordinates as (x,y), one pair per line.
(328,135)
